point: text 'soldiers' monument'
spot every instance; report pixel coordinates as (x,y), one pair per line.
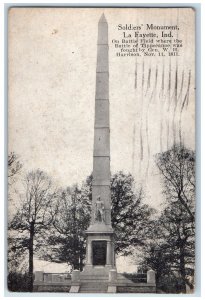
(100,257)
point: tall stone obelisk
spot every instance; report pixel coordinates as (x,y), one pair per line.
(100,244)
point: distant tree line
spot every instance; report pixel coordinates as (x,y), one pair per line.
(50,222)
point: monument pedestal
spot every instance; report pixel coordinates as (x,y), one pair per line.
(100,260)
(100,254)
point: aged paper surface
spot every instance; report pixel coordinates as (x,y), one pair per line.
(52,67)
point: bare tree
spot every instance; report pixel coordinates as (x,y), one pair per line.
(66,240)
(34,214)
(14,167)
(15,251)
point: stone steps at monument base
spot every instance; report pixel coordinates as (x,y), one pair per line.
(94,278)
(93,287)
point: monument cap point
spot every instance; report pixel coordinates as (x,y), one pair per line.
(102,19)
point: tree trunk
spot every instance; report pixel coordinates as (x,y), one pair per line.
(31,257)
(182,270)
(76,265)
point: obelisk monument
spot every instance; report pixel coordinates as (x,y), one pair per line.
(100,244)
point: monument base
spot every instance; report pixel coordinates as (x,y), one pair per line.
(106,280)
(94,280)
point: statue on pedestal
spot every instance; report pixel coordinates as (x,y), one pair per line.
(99,211)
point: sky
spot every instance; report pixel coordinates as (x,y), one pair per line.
(52,69)
(52,65)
